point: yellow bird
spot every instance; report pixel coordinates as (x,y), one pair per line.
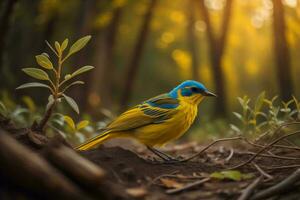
(158,120)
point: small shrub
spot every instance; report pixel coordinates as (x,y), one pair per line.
(51,77)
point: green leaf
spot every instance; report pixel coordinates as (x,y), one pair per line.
(234,128)
(70,122)
(50,101)
(29,103)
(79,44)
(57,47)
(64,44)
(82,124)
(3,109)
(44,61)
(49,45)
(33,84)
(36,73)
(45,54)
(262,114)
(68,76)
(82,70)
(231,175)
(72,103)
(241,101)
(259,101)
(74,83)
(238,115)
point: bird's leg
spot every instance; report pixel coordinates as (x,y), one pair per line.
(154,151)
(162,155)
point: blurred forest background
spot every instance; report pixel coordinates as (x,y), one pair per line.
(142,48)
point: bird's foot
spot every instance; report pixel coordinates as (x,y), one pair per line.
(166,159)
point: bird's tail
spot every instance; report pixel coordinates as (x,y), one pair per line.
(94,141)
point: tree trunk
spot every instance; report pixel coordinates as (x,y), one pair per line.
(102,76)
(191,37)
(4,25)
(282,55)
(137,55)
(217,45)
(87,12)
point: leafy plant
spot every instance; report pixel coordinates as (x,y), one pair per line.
(265,114)
(75,127)
(74,132)
(51,77)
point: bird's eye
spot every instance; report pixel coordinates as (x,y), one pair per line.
(194,89)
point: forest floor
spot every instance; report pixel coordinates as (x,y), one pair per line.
(228,168)
(142,177)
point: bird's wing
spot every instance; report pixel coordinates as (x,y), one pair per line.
(152,111)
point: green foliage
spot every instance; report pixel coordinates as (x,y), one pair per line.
(75,133)
(3,110)
(54,83)
(75,128)
(265,114)
(20,115)
(230,175)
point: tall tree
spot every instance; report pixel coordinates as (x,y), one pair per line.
(102,76)
(217,46)
(282,54)
(87,12)
(8,8)
(191,37)
(137,55)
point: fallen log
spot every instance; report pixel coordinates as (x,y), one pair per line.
(32,173)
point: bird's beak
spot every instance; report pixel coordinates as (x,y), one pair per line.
(209,94)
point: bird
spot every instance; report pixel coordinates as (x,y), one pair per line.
(158,120)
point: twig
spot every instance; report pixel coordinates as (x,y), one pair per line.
(280,187)
(247,192)
(270,156)
(230,155)
(264,149)
(161,176)
(276,145)
(262,172)
(292,144)
(277,130)
(187,186)
(208,146)
(282,167)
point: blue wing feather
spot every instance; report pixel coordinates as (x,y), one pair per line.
(163,101)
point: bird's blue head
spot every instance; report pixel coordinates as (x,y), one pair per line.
(192,89)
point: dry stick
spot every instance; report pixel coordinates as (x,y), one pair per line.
(277,145)
(247,192)
(280,187)
(208,146)
(277,130)
(174,176)
(161,176)
(262,172)
(187,186)
(291,143)
(270,156)
(264,149)
(230,155)
(282,167)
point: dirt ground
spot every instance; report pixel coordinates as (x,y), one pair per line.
(144,178)
(134,171)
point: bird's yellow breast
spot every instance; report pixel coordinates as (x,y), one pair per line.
(171,129)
